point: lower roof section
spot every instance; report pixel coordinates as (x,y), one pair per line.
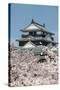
(29,45)
(43,40)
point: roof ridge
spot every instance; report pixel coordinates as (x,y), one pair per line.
(33,22)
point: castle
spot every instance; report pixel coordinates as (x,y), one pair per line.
(36,34)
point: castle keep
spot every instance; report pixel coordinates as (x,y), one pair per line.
(36,34)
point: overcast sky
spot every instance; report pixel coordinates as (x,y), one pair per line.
(22,14)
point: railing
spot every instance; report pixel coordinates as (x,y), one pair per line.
(36,38)
(37,35)
(32,38)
